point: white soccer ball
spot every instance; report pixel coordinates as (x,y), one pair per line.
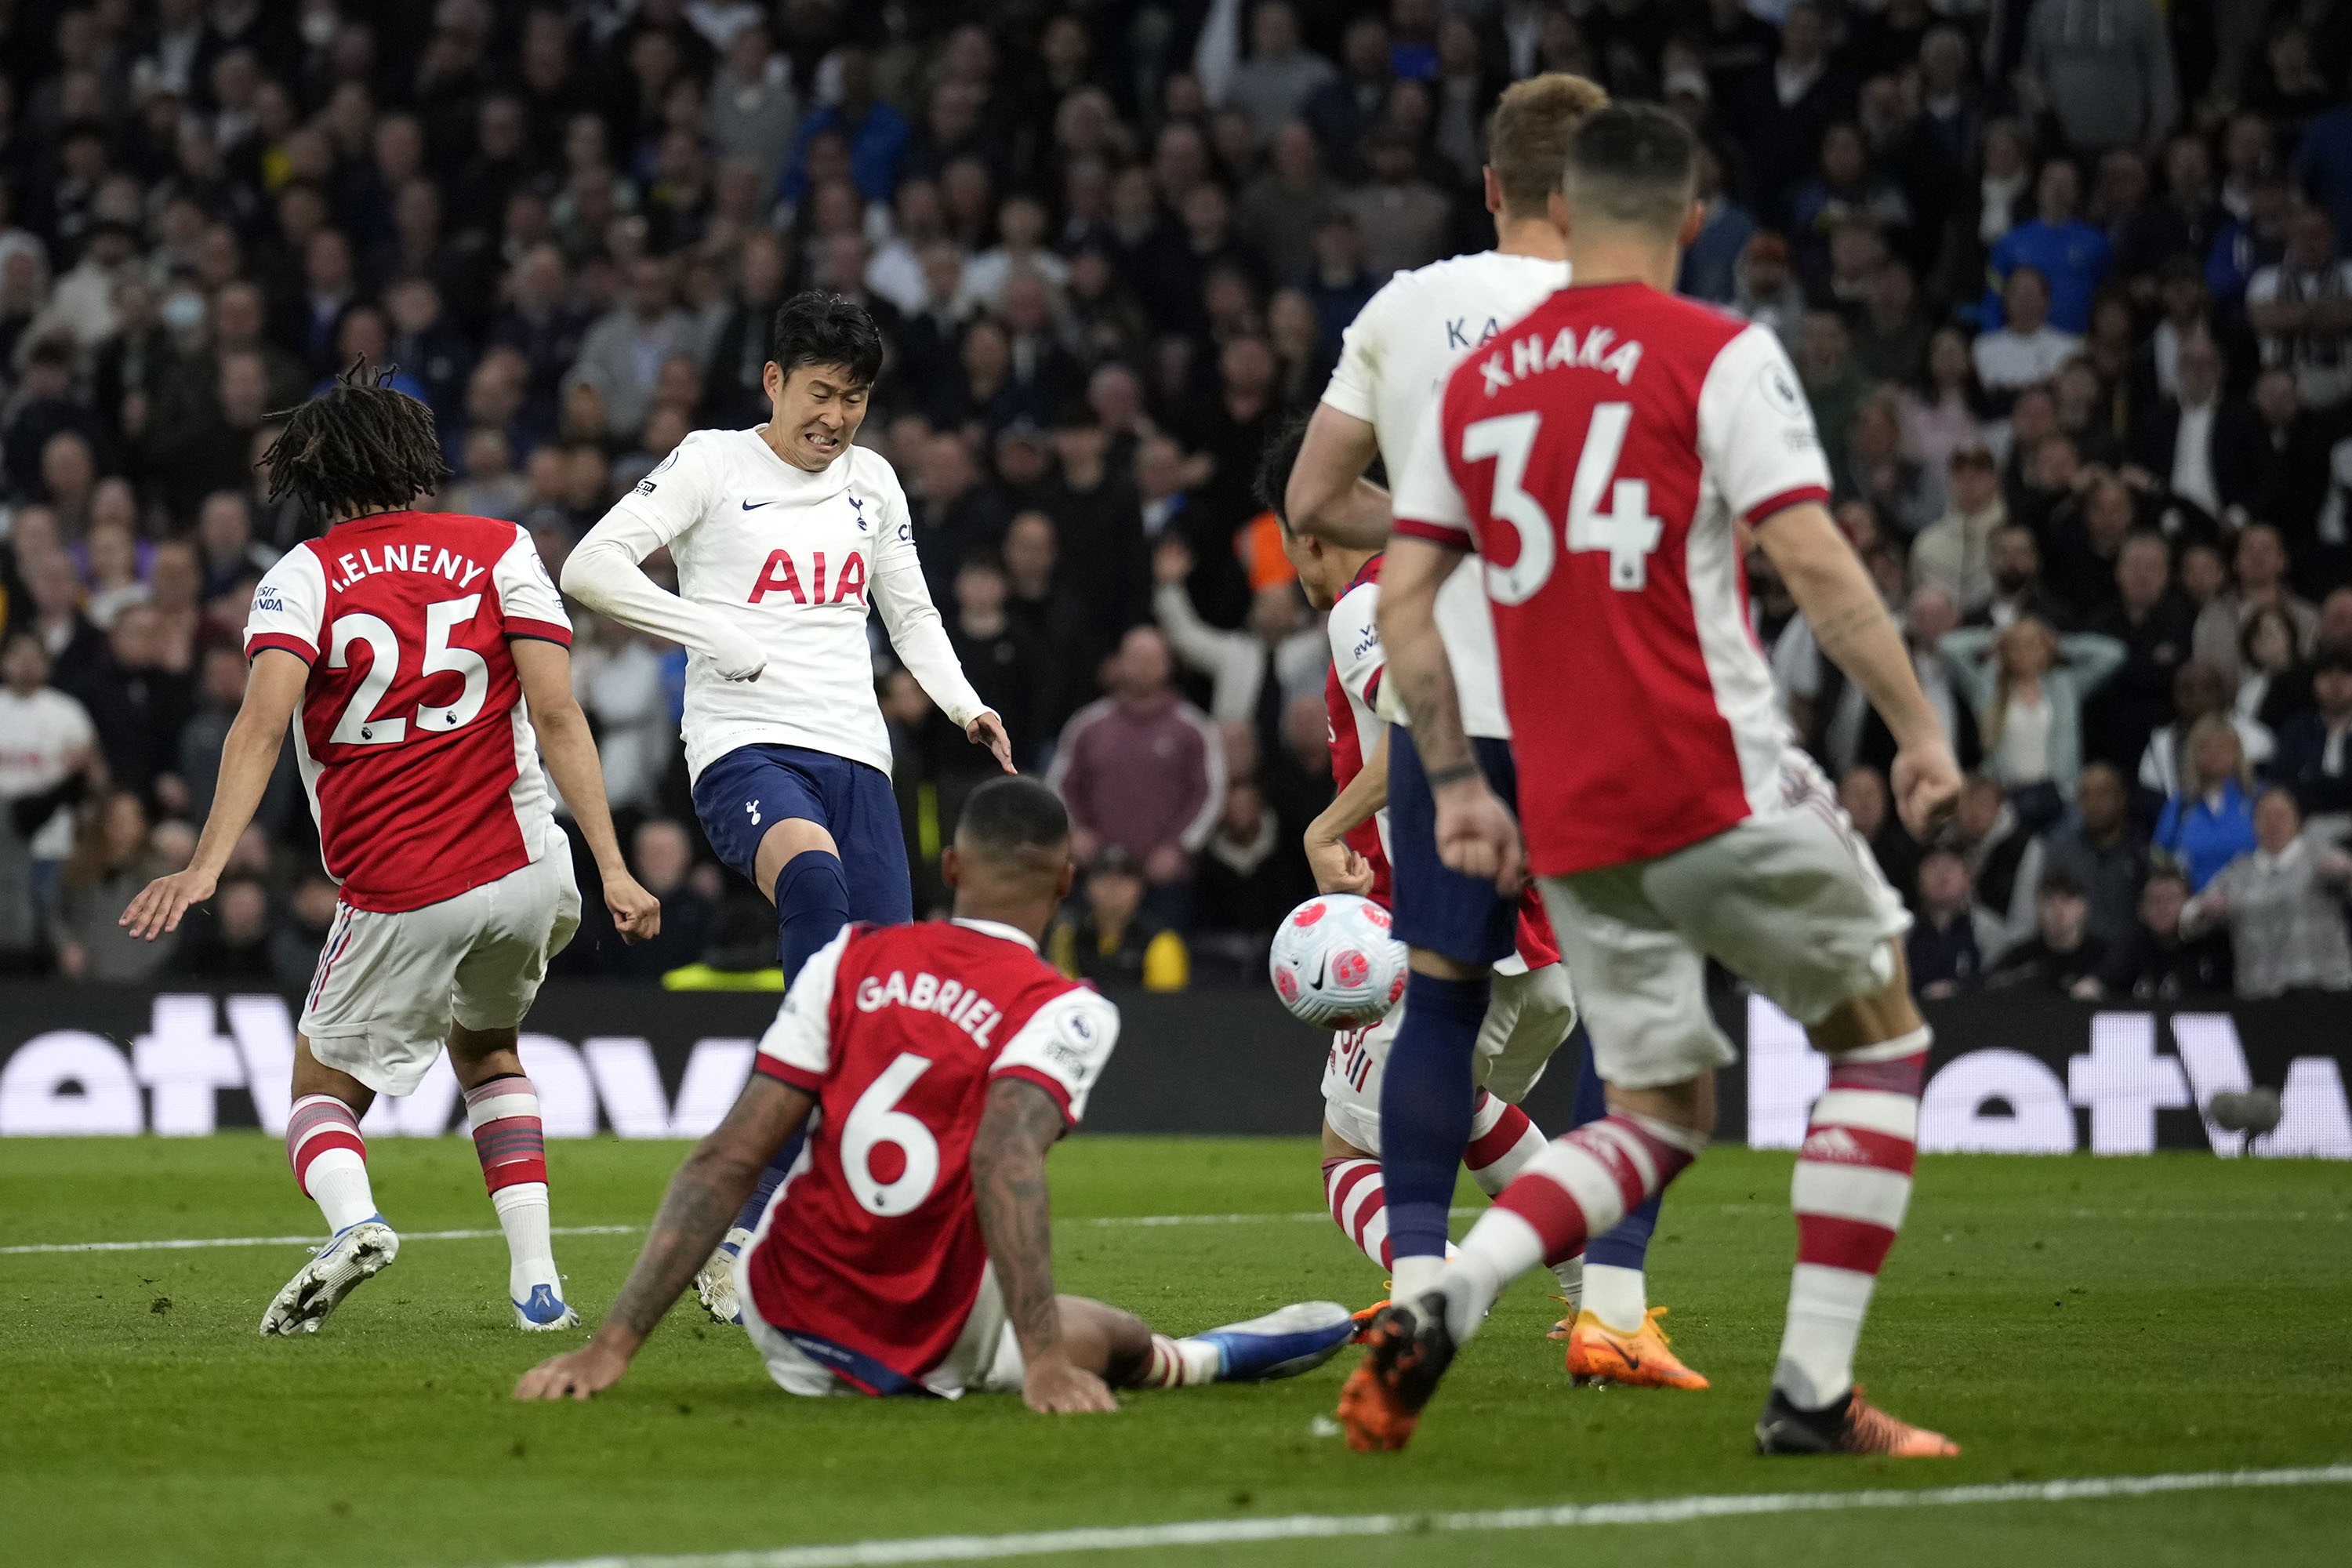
(1336,963)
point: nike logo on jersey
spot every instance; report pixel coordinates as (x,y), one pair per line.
(780,575)
(756,505)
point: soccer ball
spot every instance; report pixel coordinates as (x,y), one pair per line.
(1335,962)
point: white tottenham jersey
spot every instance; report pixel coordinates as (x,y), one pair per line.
(794,559)
(1393,362)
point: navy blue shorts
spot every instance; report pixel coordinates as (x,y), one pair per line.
(1438,908)
(750,789)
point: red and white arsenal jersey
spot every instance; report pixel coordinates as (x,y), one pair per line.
(872,1259)
(413,738)
(1348,691)
(1598,453)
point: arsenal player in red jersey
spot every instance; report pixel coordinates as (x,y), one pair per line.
(422,662)
(911,1250)
(1604,456)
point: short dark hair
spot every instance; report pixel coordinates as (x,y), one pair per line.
(1634,163)
(360,446)
(1013,817)
(819,327)
(1273,465)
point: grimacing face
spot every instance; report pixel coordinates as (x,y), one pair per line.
(815,412)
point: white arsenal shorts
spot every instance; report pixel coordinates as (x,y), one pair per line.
(389,986)
(985,1359)
(1530,1015)
(1791,902)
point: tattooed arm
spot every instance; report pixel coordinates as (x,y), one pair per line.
(1008,1180)
(1851,626)
(703,1196)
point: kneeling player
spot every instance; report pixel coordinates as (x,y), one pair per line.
(914,1253)
(422,658)
(1612,1330)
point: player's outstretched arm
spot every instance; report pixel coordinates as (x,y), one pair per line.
(1851,626)
(1336,868)
(273,689)
(1476,833)
(570,748)
(1008,1180)
(1328,496)
(702,1199)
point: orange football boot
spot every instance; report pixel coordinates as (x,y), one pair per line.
(1599,1353)
(1857,1428)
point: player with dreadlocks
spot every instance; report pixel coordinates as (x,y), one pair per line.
(422,662)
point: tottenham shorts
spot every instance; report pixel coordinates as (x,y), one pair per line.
(389,986)
(1530,1015)
(985,1358)
(1790,902)
(743,795)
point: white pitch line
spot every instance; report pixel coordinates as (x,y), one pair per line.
(181,1244)
(1322,1526)
(405,1236)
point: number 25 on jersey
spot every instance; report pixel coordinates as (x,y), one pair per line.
(1626,530)
(360,724)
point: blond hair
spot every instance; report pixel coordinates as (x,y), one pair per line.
(1528,135)
(2193,781)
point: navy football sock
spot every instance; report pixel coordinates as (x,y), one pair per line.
(1425,1108)
(812,906)
(1628,1245)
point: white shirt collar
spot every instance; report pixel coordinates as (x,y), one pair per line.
(999,929)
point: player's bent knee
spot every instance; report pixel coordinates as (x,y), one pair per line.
(780,845)
(1889,1014)
(477,1056)
(1113,1344)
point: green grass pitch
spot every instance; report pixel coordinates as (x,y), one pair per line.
(2060,1318)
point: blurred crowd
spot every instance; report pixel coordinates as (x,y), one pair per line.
(2065,281)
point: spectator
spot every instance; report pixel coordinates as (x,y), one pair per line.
(2003,858)
(1142,770)
(1279,79)
(2210,822)
(2099,848)
(1765,290)
(623,354)
(661,856)
(2155,962)
(1710,263)
(2061,957)
(1834,385)
(2154,623)
(2274,681)
(1786,108)
(2283,901)
(2024,348)
(1955,552)
(2029,704)
(47,747)
(1940,416)
(2069,256)
(876,134)
(2302,306)
(1279,210)
(2105,69)
(299,935)
(2018,592)
(1115,942)
(1008,667)
(1862,797)
(1252,873)
(1404,219)
(229,941)
(1946,946)
(2198,690)
(1255,674)
(2204,446)
(2315,746)
(2262,585)
(111,863)
(958,509)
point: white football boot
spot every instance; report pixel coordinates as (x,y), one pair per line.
(544,1310)
(714,1287)
(352,1256)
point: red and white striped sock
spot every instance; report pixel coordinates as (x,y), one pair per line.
(508,1139)
(1852,1185)
(1577,1188)
(1504,1142)
(1178,1363)
(1359,1205)
(330,1159)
